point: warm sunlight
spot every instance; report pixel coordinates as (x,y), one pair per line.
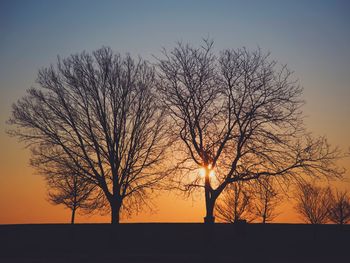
(202,172)
(212,173)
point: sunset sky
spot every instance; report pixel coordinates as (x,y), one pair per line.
(312,37)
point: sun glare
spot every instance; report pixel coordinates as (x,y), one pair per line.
(212,173)
(202,172)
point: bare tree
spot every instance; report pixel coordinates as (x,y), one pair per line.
(239,116)
(65,187)
(313,202)
(97,115)
(74,192)
(339,210)
(266,199)
(235,204)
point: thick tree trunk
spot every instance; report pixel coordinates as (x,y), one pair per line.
(115,212)
(73,215)
(209,200)
(209,218)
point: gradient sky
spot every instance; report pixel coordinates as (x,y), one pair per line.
(312,37)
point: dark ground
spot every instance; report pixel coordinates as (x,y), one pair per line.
(175,243)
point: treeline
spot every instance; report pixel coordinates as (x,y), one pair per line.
(107,131)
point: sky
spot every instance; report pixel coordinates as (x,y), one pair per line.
(311,37)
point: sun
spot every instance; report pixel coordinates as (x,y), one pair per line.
(202,171)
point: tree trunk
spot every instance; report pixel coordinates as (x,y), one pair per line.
(75,203)
(73,215)
(209,218)
(115,212)
(265,209)
(209,200)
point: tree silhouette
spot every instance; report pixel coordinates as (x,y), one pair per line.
(238,116)
(65,187)
(339,210)
(236,204)
(313,202)
(98,115)
(266,198)
(74,192)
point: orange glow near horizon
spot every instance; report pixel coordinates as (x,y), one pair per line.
(23,198)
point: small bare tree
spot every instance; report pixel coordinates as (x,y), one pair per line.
(66,187)
(237,115)
(74,192)
(313,203)
(98,115)
(339,210)
(235,204)
(266,199)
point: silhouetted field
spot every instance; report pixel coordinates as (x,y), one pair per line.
(174,243)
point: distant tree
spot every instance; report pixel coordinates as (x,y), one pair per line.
(74,192)
(339,210)
(98,115)
(69,189)
(235,204)
(237,115)
(266,198)
(313,202)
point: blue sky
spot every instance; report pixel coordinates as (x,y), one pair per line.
(312,37)
(37,29)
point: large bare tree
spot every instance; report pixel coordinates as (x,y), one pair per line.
(238,115)
(97,115)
